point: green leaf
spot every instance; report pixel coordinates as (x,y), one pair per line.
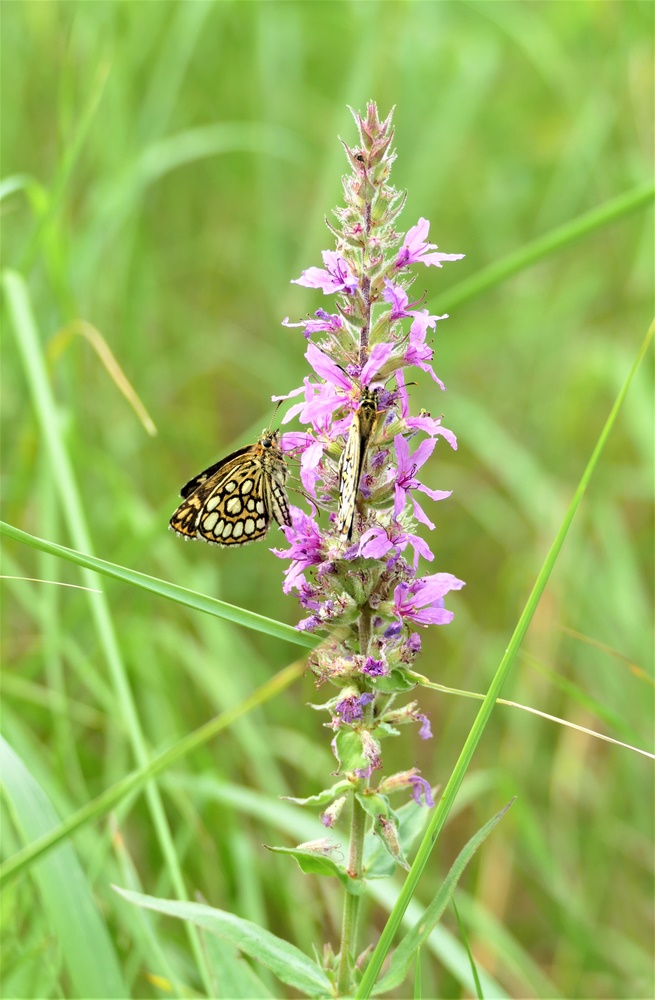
(316,863)
(287,962)
(375,805)
(65,892)
(322,798)
(411,820)
(474,968)
(396,680)
(349,750)
(406,950)
(233,977)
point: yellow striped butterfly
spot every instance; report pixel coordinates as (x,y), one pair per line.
(352,460)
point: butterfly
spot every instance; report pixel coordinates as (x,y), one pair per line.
(233,502)
(352,460)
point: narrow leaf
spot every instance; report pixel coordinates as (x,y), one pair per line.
(406,950)
(465,938)
(287,962)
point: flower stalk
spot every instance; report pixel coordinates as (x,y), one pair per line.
(357,576)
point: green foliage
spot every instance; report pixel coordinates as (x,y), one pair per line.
(405,953)
(317,862)
(86,947)
(167,168)
(288,963)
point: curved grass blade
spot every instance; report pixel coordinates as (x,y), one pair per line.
(66,489)
(171,591)
(424,682)
(450,792)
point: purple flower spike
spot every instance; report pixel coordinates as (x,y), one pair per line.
(353,558)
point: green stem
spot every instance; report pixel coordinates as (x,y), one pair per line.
(352,901)
(364,629)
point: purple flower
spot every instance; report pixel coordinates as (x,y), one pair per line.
(421,787)
(414,642)
(424,732)
(376,542)
(295,442)
(418,353)
(422,600)
(397,297)
(336,390)
(432,426)
(325,322)
(306,541)
(378,357)
(327,369)
(336,277)
(406,477)
(374,668)
(320,402)
(310,463)
(351,709)
(415,248)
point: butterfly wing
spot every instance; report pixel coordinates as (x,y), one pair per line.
(202,477)
(232,502)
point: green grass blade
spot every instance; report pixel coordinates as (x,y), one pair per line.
(74,147)
(171,591)
(29,346)
(416,937)
(545,245)
(445,803)
(73,914)
(102,803)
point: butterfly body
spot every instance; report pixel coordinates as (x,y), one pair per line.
(234,501)
(353,456)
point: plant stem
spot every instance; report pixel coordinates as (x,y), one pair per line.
(351,905)
(366,286)
(364,629)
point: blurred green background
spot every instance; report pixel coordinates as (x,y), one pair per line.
(173,164)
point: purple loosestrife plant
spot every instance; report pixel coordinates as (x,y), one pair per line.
(367,591)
